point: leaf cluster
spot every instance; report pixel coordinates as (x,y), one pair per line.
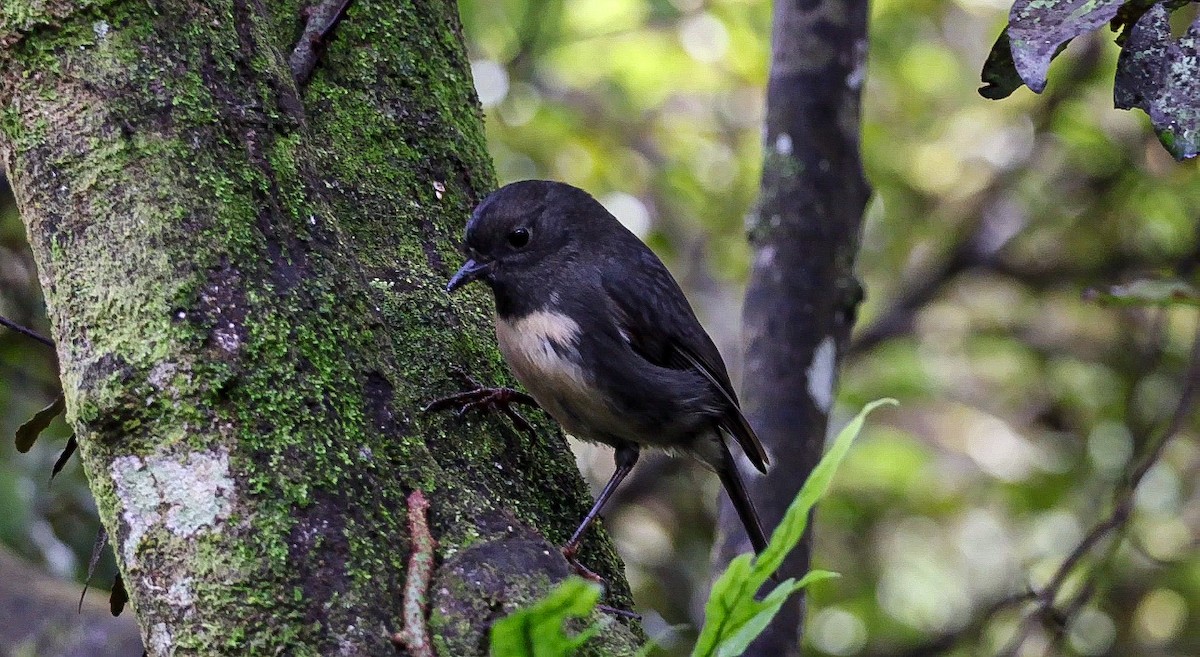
(1157,72)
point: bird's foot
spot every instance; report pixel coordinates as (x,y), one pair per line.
(623,613)
(485,398)
(570,552)
(480,399)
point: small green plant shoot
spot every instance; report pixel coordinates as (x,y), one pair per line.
(537,631)
(732,615)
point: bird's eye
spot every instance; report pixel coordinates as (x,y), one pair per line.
(519,238)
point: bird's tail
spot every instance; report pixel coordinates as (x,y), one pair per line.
(732,481)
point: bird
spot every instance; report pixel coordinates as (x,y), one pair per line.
(596,329)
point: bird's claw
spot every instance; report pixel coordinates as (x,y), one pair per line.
(623,613)
(570,552)
(485,398)
(481,398)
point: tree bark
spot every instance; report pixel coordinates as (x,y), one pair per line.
(802,295)
(245,282)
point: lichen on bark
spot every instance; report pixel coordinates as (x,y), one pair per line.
(245,285)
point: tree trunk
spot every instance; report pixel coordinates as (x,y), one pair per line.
(245,282)
(802,294)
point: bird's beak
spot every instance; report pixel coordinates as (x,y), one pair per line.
(470,271)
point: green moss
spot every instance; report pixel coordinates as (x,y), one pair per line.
(242,279)
(22,137)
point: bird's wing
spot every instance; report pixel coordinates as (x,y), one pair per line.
(654,316)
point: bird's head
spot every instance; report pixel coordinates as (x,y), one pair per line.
(526,235)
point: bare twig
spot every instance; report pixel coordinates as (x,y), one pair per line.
(1046,609)
(414,636)
(322,20)
(947,642)
(29,333)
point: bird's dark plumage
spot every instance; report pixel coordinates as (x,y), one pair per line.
(595,327)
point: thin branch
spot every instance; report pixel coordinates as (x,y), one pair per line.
(29,333)
(944,643)
(322,20)
(899,318)
(414,636)
(1045,611)
(1117,519)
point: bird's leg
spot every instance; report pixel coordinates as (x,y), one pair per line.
(484,398)
(626,458)
(623,613)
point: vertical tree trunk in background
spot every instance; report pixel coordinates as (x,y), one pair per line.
(802,294)
(245,282)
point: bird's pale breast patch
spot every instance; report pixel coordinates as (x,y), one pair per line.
(539,348)
(534,346)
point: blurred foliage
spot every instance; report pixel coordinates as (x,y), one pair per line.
(1023,402)
(733,616)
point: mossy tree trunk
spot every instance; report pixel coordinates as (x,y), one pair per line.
(245,281)
(802,295)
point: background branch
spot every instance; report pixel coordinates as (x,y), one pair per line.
(29,333)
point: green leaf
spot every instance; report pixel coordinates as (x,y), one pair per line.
(28,433)
(1149,292)
(733,617)
(537,630)
(767,609)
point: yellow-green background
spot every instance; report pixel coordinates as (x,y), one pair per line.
(1022,403)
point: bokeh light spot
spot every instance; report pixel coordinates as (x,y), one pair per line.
(491,81)
(838,632)
(1110,446)
(1160,616)
(1092,632)
(999,451)
(1159,490)
(630,211)
(704,37)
